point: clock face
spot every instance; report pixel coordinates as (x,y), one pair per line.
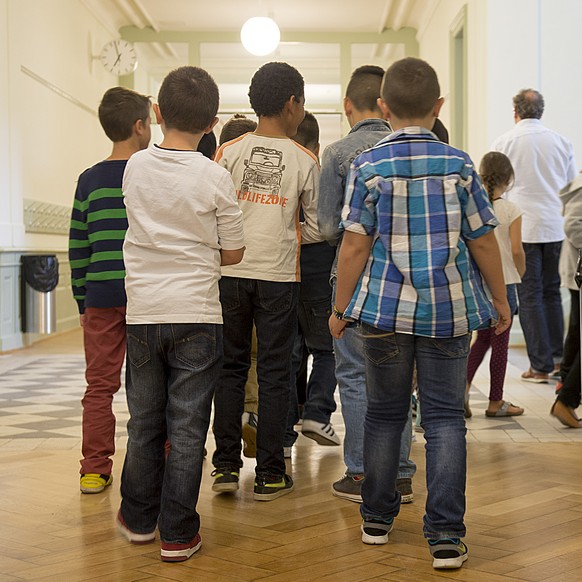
(119,57)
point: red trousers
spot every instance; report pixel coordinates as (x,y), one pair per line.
(104,339)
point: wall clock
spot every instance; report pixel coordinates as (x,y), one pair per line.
(119,57)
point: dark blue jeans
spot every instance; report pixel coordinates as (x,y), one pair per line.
(273,309)
(314,311)
(441,365)
(540,306)
(172,373)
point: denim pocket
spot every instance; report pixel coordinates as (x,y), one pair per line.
(453,347)
(314,320)
(379,346)
(277,297)
(229,293)
(138,350)
(196,345)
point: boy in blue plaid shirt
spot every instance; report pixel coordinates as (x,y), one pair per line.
(417,251)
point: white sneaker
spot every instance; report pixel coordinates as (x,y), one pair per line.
(320,432)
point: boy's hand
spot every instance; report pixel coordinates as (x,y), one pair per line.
(503,316)
(337,326)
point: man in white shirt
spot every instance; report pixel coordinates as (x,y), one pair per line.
(543,162)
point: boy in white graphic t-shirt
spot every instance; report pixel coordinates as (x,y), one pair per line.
(274,177)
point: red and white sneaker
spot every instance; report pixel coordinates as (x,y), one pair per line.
(180,552)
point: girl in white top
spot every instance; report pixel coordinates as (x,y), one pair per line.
(497,174)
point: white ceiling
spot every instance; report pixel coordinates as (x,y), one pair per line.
(291,15)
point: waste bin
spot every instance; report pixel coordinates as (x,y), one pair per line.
(40,276)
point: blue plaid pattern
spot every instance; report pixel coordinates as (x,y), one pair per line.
(420,200)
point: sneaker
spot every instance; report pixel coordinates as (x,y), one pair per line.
(94,482)
(225,480)
(287,452)
(375,531)
(404,486)
(179,552)
(270,487)
(249,434)
(555,374)
(448,553)
(320,432)
(349,487)
(131,536)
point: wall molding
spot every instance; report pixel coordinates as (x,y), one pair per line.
(60,92)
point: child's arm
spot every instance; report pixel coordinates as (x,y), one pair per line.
(485,252)
(231,257)
(308,201)
(516,246)
(79,249)
(353,256)
(331,196)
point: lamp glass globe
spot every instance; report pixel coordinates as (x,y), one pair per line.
(260,35)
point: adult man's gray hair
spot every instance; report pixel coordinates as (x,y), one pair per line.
(529,104)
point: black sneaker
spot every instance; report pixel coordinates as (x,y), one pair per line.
(269,487)
(404,486)
(448,553)
(349,487)
(375,531)
(225,480)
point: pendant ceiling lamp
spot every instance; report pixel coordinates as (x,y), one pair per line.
(260,35)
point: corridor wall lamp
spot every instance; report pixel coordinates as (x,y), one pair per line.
(260,35)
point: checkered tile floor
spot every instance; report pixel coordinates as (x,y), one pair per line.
(41,400)
(40,406)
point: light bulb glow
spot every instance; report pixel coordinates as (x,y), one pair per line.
(260,35)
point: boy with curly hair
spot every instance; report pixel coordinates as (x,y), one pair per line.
(274,177)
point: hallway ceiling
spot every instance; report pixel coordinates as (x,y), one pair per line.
(298,15)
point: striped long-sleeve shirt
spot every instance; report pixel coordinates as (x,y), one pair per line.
(98,227)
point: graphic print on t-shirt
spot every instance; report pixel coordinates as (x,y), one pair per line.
(263,171)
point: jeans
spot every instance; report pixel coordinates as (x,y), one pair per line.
(350,369)
(540,306)
(104,341)
(173,371)
(441,365)
(272,306)
(314,311)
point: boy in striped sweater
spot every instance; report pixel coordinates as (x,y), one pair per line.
(98,226)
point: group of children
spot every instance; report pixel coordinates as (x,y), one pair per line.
(418,269)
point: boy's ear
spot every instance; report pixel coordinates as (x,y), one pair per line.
(211,126)
(348,106)
(139,127)
(384,108)
(158,114)
(437,106)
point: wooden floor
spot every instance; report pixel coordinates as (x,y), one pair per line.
(524,515)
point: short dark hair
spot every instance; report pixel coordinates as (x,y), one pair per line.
(363,89)
(188,99)
(495,170)
(207,145)
(236,126)
(272,86)
(308,132)
(119,109)
(410,88)
(529,104)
